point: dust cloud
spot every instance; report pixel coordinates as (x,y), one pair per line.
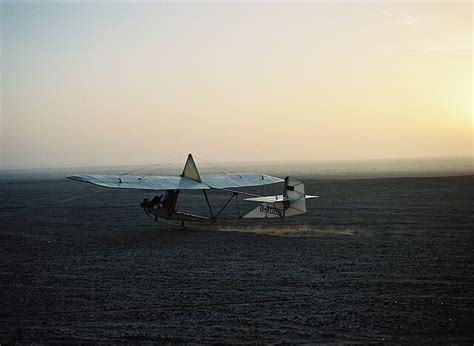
(295,230)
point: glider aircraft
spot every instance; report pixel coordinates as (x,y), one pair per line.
(292,202)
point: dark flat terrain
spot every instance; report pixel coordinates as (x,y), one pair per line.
(373,260)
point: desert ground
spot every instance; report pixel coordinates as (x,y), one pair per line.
(373,260)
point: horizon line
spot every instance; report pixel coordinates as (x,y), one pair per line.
(170,163)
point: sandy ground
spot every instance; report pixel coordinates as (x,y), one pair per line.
(372,261)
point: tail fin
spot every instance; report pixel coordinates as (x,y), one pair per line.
(293,191)
(291,203)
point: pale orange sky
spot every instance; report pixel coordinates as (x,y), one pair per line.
(109,83)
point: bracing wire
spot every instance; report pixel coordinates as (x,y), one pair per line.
(153,165)
(169,162)
(159,169)
(66,197)
(222,169)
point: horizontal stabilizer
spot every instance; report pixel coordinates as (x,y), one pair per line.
(266,199)
(273,199)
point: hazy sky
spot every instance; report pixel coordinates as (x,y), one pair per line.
(131,83)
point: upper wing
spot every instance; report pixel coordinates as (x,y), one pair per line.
(231,180)
(141,183)
(217,181)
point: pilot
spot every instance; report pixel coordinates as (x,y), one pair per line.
(156,202)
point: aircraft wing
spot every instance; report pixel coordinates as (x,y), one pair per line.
(141,183)
(233,180)
(216,181)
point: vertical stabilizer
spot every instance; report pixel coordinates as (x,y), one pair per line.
(190,170)
(291,203)
(294,192)
(293,189)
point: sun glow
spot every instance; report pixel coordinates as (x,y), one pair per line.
(133,83)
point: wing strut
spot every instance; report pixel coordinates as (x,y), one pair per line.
(208,204)
(226,203)
(238,206)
